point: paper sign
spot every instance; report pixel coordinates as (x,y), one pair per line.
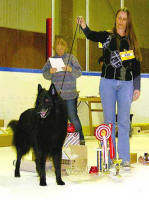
(57,63)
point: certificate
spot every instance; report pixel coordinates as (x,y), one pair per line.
(57,63)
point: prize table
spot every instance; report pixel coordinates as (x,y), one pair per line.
(89,101)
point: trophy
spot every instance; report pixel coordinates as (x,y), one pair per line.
(117,163)
(103,134)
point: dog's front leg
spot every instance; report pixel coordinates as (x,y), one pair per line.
(57,165)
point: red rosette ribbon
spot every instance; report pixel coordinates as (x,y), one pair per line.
(103,133)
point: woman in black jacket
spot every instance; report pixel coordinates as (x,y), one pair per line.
(120,78)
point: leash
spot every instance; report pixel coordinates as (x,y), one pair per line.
(68,59)
(73,44)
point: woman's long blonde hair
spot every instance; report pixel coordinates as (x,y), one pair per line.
(132,39)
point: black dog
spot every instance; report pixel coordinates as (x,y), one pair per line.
(44,129)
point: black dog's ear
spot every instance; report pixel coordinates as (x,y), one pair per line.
(52,90)
(39,88)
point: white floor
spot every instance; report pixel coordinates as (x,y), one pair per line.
(132,184)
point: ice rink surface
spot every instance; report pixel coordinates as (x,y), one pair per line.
(133,183)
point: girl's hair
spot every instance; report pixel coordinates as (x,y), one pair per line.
(132,39)
(60,41)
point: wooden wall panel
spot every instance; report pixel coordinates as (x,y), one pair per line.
(145,61)
(66,29)
(94,55)
(81,51)
(22,49)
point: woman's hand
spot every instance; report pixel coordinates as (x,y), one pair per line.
(81,21)
(53,70)
(67,68)
(136,95)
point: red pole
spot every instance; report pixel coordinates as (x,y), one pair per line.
(48,37)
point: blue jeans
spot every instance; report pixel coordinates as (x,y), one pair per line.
(120,92)
(73,116)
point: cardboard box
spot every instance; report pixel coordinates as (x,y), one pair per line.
(1,123)
(73,156)
(5,140)
(136,130)
(74,159)
(5,136)
(133,158)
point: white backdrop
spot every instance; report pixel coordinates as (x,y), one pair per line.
(18,92)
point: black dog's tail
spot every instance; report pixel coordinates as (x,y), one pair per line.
(13,125)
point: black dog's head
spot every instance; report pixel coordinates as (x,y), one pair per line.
(45,101)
